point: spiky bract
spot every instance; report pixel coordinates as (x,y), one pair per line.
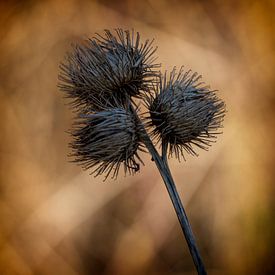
(106,140)
(112,66)
(184,113)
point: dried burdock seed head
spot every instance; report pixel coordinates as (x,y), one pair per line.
(105,140)
(184,113)
(102,76)
(113,65)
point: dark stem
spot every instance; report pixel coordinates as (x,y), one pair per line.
(182,217)
(164,170)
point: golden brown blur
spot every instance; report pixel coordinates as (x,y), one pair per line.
(57,219)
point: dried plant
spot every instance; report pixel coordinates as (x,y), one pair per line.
(183,113)
(106,67)
(106,140)
(102,76)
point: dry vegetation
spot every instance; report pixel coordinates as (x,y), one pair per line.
(56,219)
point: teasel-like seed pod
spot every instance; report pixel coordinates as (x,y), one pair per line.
(105,67)
(184,113)
(106,140)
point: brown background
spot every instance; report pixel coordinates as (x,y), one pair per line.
(56,219)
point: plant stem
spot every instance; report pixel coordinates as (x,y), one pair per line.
(185,225)
(164,170)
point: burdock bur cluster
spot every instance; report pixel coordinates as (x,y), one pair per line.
(106,77)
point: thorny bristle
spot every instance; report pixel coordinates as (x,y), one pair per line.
(184,113)
(105,67)
(106,140)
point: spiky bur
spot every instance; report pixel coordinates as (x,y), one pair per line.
(111,66)
(106,140)
(184,113)
(101,76)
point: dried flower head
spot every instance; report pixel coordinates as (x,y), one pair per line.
(112,66)
(184,113)
(101,76)
(106,140)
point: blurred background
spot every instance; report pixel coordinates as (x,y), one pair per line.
(57,219)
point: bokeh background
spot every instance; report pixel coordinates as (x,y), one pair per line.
(57,219)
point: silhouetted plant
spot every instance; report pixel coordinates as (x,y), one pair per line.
(106,140)
(104,67)
(184,113)
(102,76)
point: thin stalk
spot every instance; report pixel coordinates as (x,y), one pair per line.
(182,217)
(164,170)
